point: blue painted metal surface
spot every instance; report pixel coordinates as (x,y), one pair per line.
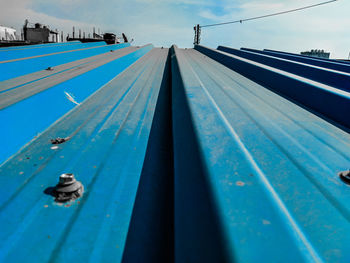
(308,60)
(337,79)
(25,119)
(305,56)
(255,175)
(26,66)
(57,74)
(44,50)
(322,99)
(187,155)
(38,45)
(110,133)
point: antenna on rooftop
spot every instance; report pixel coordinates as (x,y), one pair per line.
(197,34)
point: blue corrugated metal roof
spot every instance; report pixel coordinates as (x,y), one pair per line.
(39,45)
(337,79)
(43,50)
(305,56)
(19,67)
(267,167)
(327,63)
(186,155)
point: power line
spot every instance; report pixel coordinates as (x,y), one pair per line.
(274,14)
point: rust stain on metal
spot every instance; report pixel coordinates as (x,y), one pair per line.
(240,183)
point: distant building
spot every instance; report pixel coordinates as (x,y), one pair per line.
(316,53)
(39,33)
(8,33)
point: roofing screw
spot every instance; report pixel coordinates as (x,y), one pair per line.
(345,176)
(68,188)
(66,179)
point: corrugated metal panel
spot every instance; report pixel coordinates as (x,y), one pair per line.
(256,176)
(20,67)
(322,99)
(110,132)
(38,45)
(43,50)
(76,66)
(331,64)
(23,106)
(305,56)
(186,155)
(337,79)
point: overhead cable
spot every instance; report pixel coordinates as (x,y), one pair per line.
(274,14)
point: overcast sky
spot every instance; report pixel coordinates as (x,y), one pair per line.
(167,22)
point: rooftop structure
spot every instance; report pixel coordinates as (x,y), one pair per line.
(316,53)
(8,34)
(39,33)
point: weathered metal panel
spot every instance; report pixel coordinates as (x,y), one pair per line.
(337,79)
(77,65)
(44,50)
(38,45)
(109,137)
(256,176)
(25,119)
(17,89)
(308,60)
(322,99)
(305,56)
(25,66)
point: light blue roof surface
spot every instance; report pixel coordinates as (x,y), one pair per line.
(186,155)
